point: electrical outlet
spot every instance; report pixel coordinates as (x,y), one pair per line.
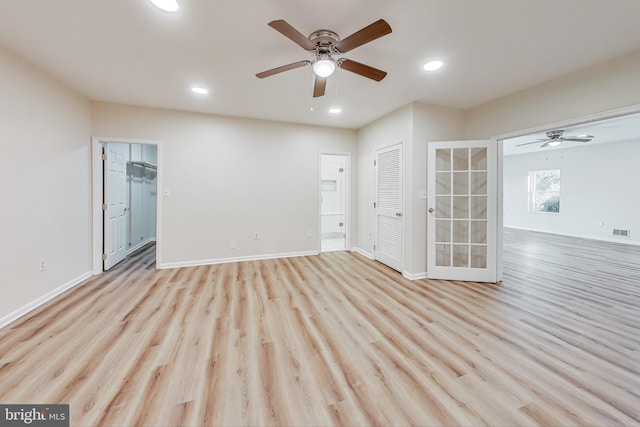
(309,234)
(43,265)
(233,244)
(256,236)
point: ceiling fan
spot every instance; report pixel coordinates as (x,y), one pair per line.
(324,44)
(555,138)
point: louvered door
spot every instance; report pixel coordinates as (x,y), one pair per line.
(389,206)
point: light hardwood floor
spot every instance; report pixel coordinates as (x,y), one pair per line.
(337,339)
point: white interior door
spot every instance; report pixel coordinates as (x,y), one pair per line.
(388,206)
(115,200)
(462,211)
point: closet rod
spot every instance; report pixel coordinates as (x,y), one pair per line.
(144,165)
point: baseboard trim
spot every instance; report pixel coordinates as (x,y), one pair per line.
(622,240)
(234,259)
(140,245)
(414,276)
(15,315)
(362,252)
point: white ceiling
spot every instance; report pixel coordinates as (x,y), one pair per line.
(127,51)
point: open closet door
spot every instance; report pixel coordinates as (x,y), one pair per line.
(462,211)
(115,203)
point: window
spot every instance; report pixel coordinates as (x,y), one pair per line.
(544,191)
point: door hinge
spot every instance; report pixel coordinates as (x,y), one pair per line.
(341,170)
(375,163)
(104,257)
(104,206)
(374,204)
(104,156)
(374,247)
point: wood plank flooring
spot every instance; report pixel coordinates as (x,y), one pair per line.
(337,339)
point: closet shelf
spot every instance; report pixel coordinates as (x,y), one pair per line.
(144,165)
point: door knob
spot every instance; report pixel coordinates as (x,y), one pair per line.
(398,214)
(430,210)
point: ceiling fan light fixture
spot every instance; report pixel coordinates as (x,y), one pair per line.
(555,143)
(324,67)
(166,5)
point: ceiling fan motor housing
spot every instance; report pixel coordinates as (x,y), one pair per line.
(325,41)
(555,134)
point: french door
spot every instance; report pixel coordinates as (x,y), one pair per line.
(462,211)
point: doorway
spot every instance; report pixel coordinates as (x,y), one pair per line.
(591,205)
(334,201)
(129,199)
(126,208)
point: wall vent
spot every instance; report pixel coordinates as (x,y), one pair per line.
(621,232)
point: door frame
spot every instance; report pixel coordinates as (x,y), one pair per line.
(347,214)
(589,118)
(97,197)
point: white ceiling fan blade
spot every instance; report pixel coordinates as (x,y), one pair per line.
(546,144)
(579,138)
(532,142)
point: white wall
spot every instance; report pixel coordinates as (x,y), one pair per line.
(414,125)
(598,183)
(603,87)
(45,131)
(229,178)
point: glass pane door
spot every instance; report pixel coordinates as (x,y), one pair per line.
(459,203)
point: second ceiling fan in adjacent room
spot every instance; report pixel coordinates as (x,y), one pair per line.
(555,138)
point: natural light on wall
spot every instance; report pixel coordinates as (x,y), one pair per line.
(544,191)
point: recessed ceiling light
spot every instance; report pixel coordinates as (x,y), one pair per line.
(166,5)
(433,65)
(335,110)
(199,90)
